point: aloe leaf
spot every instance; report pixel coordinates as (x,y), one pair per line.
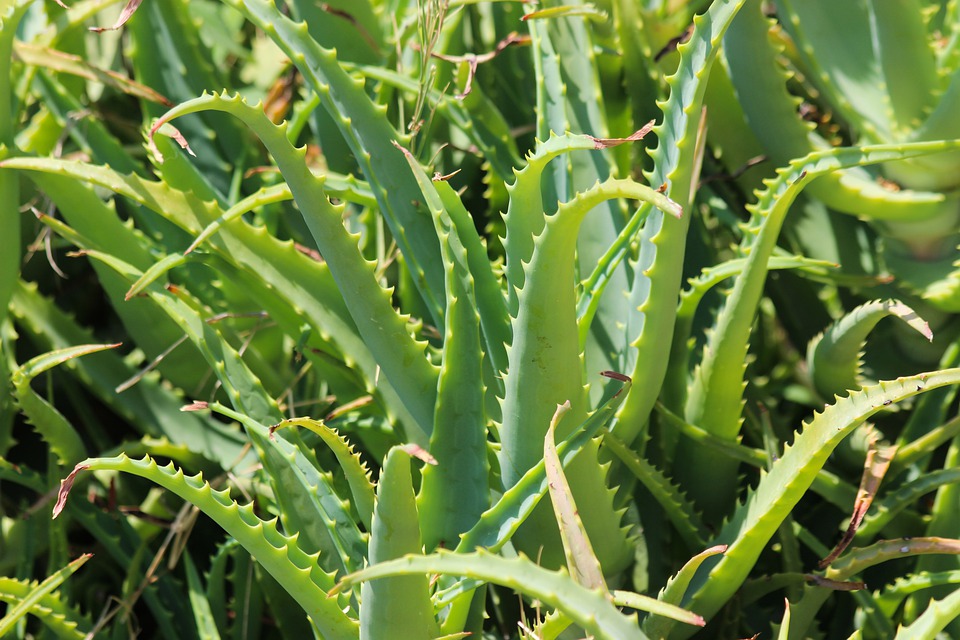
(855,561)
(354,470)
(279,554)
(53,60)
(883,94)
(351,29)
(582,563)
(757,519)
(369,135)
(56,431)
(659,266)
(398,606)
(148,406)
(677,508)
(525,218)
(65,622)
(715,397)
(892,596)
(544,370)
(166,31)
(589,609)
(784,633)
(908,61)
(544,356)
(568,90)
(490,301)
(848,71)
(659,625)
(385,332)
(655,607)
(675,386)
(454,492)
(905,496)
(833,357)
(206,625)
(36,595)
(772,114)
(10,17)
(302,282)
(598,281)
(498,523)
(913,451)
(8,362)
(308,504)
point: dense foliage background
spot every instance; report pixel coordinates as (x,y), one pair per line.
(533,320)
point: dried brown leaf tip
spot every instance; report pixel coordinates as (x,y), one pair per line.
(473,60)
(65,486)
(418,452)
(606,143)
(616,375)
(126,14)
(875,468)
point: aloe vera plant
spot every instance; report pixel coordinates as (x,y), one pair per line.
(417,322)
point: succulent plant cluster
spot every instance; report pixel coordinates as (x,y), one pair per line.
(422,319)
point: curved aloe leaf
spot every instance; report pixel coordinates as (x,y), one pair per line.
(55,430)
(678,509)
(369,134)
(659,626)
(765,508)
(658,270)
(855,561)
(903,497)
(892,596)
(936,617)
(772,114)
(57,616)
(675,386)
(402,359)
(715,399)
(544,356)
(279,554)
(590,609)
(38,593)
(833,357)
(354,470)
(309,506)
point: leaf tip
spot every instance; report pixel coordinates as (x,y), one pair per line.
(65,486)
